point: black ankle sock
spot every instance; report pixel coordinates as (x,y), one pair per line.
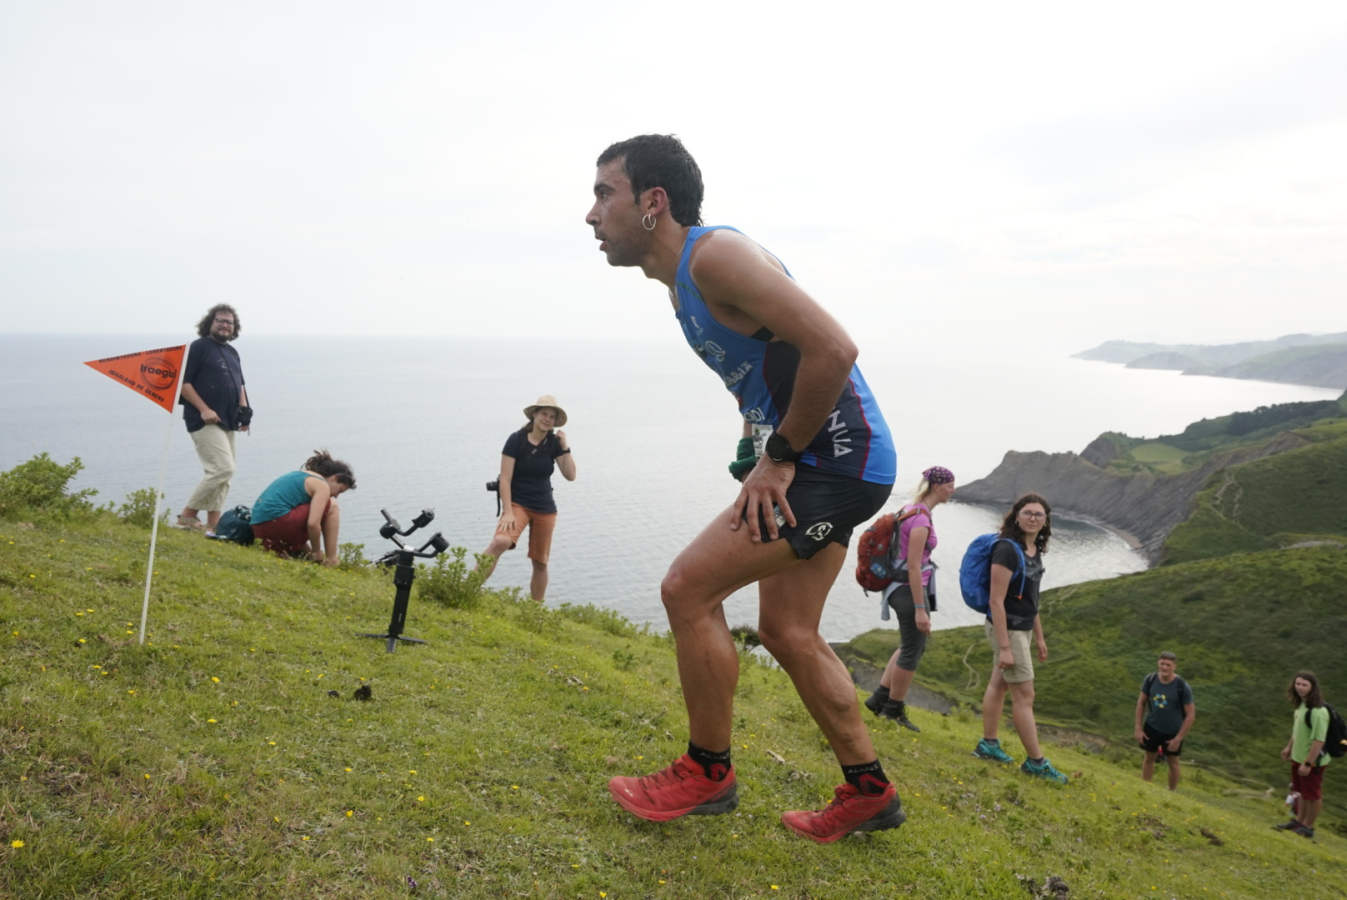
(880,695)
(894,707)
(715,765)
(868,778)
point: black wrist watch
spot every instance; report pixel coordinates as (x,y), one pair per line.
(778,449)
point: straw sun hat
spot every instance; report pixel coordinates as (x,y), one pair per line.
(546,400)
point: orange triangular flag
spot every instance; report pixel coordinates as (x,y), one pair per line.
(153,373)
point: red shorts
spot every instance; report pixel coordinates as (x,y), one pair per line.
(1311,786)
(540,526)
(288,535)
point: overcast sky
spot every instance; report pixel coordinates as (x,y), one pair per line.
(1069,172)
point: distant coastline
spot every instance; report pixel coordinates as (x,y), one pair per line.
(1306,359)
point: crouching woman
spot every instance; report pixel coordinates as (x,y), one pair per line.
(297,514)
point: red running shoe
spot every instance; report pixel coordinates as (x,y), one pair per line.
(850,811)
(680,790)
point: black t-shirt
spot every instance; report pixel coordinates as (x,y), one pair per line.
(1021,609)
(531,486)
(213,370)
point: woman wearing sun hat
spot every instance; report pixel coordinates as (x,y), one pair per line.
(914,599)
(525,487)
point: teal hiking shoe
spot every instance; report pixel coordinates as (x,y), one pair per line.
(1042,769)
(991,749)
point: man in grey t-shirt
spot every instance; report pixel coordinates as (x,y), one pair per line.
(1164,714)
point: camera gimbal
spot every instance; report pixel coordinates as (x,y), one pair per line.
(404,558)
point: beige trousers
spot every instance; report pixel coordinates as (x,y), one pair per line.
(215,449)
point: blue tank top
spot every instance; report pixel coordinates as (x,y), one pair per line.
(854,440)
(281,496)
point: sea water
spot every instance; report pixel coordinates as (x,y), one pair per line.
(422,422)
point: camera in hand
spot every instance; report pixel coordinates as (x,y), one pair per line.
(493,485)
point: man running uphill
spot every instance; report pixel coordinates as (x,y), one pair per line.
(828,466)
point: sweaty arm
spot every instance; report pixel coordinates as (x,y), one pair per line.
(746,290)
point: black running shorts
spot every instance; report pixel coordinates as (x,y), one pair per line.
(1152,741)
(827,508)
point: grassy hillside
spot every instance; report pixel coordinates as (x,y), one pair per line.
(1241,625)
(1169,454)
(216,762)
(1292,497)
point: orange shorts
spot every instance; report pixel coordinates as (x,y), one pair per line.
(540,526)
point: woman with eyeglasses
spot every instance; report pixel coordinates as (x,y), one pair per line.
(1012,617)
(297,514)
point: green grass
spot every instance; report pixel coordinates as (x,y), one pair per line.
(1159,456)
(1156,451)
(1268,502)
(1202,441)
(212,761)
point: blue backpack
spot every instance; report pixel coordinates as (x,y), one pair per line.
(975,571)
(235,525)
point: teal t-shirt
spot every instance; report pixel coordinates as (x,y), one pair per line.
(281,496)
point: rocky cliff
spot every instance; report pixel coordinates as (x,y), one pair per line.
(1142,503)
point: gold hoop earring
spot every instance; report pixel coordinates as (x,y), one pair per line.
(648,222)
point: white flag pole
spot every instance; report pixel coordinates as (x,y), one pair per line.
(159,496)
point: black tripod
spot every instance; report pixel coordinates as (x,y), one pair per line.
(404,557)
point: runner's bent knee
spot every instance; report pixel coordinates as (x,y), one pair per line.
(677,591)
(789,642)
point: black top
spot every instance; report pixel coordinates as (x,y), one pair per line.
(1020,611)
(213,369)
(531,485)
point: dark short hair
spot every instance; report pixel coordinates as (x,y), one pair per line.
(203,327)
(1010,528)
(322,463)
(1169,655)
(661,160)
